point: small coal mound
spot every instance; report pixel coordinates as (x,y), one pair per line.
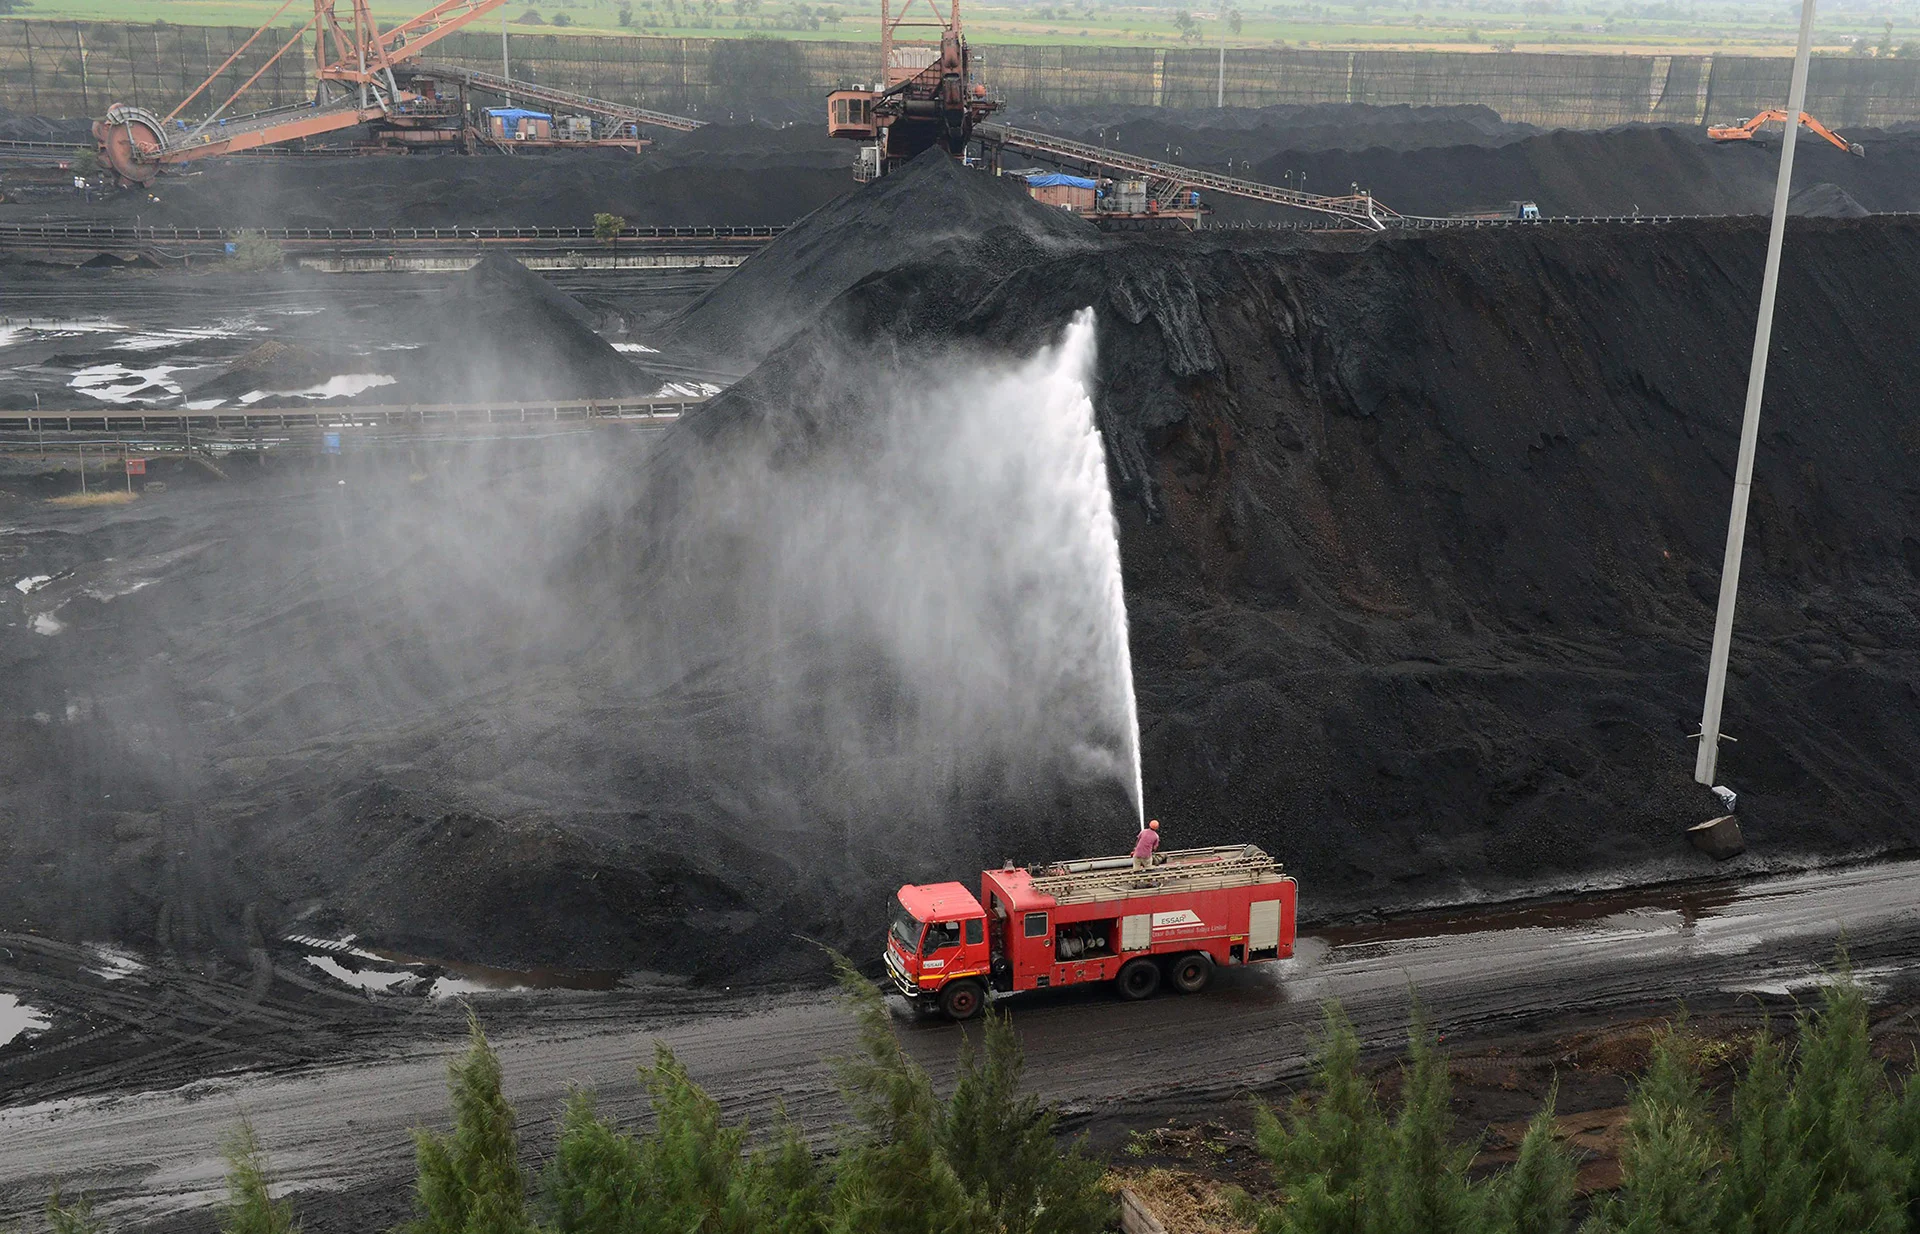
(502,331)
(16,126)
(269,366)
(929,213)
(1826,201)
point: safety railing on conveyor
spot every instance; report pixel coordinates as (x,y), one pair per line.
(494,83)
(321,416)
(102,233)
(1186,869)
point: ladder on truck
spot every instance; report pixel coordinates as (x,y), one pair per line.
(1186,869)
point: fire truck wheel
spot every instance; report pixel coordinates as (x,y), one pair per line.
(962,1000)
(1138,980)
(1191,973)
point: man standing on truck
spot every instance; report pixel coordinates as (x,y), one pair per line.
(1143,847)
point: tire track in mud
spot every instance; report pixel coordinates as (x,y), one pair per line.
(345,1125)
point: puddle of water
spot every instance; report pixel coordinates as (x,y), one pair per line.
(32,583)
(12,331)
(371,981)
(449,980)
(637,347)
(154,340)
(117,383)
(345,385)
(1646,910)
(18,1020)
(114,963)
(687,389)
(1874,980)
(479,979)
(46,623)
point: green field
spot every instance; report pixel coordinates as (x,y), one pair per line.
(1757,27)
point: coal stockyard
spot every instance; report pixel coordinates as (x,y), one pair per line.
(573,569)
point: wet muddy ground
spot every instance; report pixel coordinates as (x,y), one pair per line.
(176,341)
(334,1077)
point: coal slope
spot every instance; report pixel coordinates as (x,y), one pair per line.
(1421,539)
(733,175)
(932,213)
(1647,169)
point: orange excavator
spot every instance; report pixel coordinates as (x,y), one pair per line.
(1746,129)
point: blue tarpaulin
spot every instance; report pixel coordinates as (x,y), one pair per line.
(516,114)
(1055,180)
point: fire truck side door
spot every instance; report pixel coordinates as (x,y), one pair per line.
(1263,927)
(1136,932)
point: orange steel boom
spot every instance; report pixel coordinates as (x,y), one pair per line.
(356,84)
(1746,129)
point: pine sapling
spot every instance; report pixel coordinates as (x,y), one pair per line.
(250,1207)
(1427,1186)
(470,1179)
(1536,1195)
(1668,1182)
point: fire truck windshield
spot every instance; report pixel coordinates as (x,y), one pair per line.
(905,926)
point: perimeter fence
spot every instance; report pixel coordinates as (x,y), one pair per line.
(75,69)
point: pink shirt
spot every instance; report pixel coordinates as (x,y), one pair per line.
(1148,841)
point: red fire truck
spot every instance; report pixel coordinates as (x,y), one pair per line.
(1094,920)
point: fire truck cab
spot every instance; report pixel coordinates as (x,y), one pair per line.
(1100,919)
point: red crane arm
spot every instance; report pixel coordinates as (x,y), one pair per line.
(412,37)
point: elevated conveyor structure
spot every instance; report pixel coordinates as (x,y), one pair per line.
(496,84)
(1360,208)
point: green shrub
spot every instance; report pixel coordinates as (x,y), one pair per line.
(250,1207)
(1838,1120)
(1668,1180)
(1003,1147)
(891,1177)
(1426,1179)
(252,250)
(1536,1195)
(470,1179)
(75,1218)
(1328,1155)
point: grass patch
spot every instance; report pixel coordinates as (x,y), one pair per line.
(1187,1203)
(115,497)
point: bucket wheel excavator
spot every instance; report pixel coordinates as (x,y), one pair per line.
(359,70)
(364,75)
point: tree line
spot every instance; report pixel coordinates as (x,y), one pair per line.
(1815,1137)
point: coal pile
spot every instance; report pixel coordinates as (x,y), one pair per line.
(1651,170)
(1421,542)
(1420,538)
(502,331)
(1827,201)
(1208,137)
(744,175)
(954,227)
(15,126)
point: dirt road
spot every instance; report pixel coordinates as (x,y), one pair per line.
(344,1126)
